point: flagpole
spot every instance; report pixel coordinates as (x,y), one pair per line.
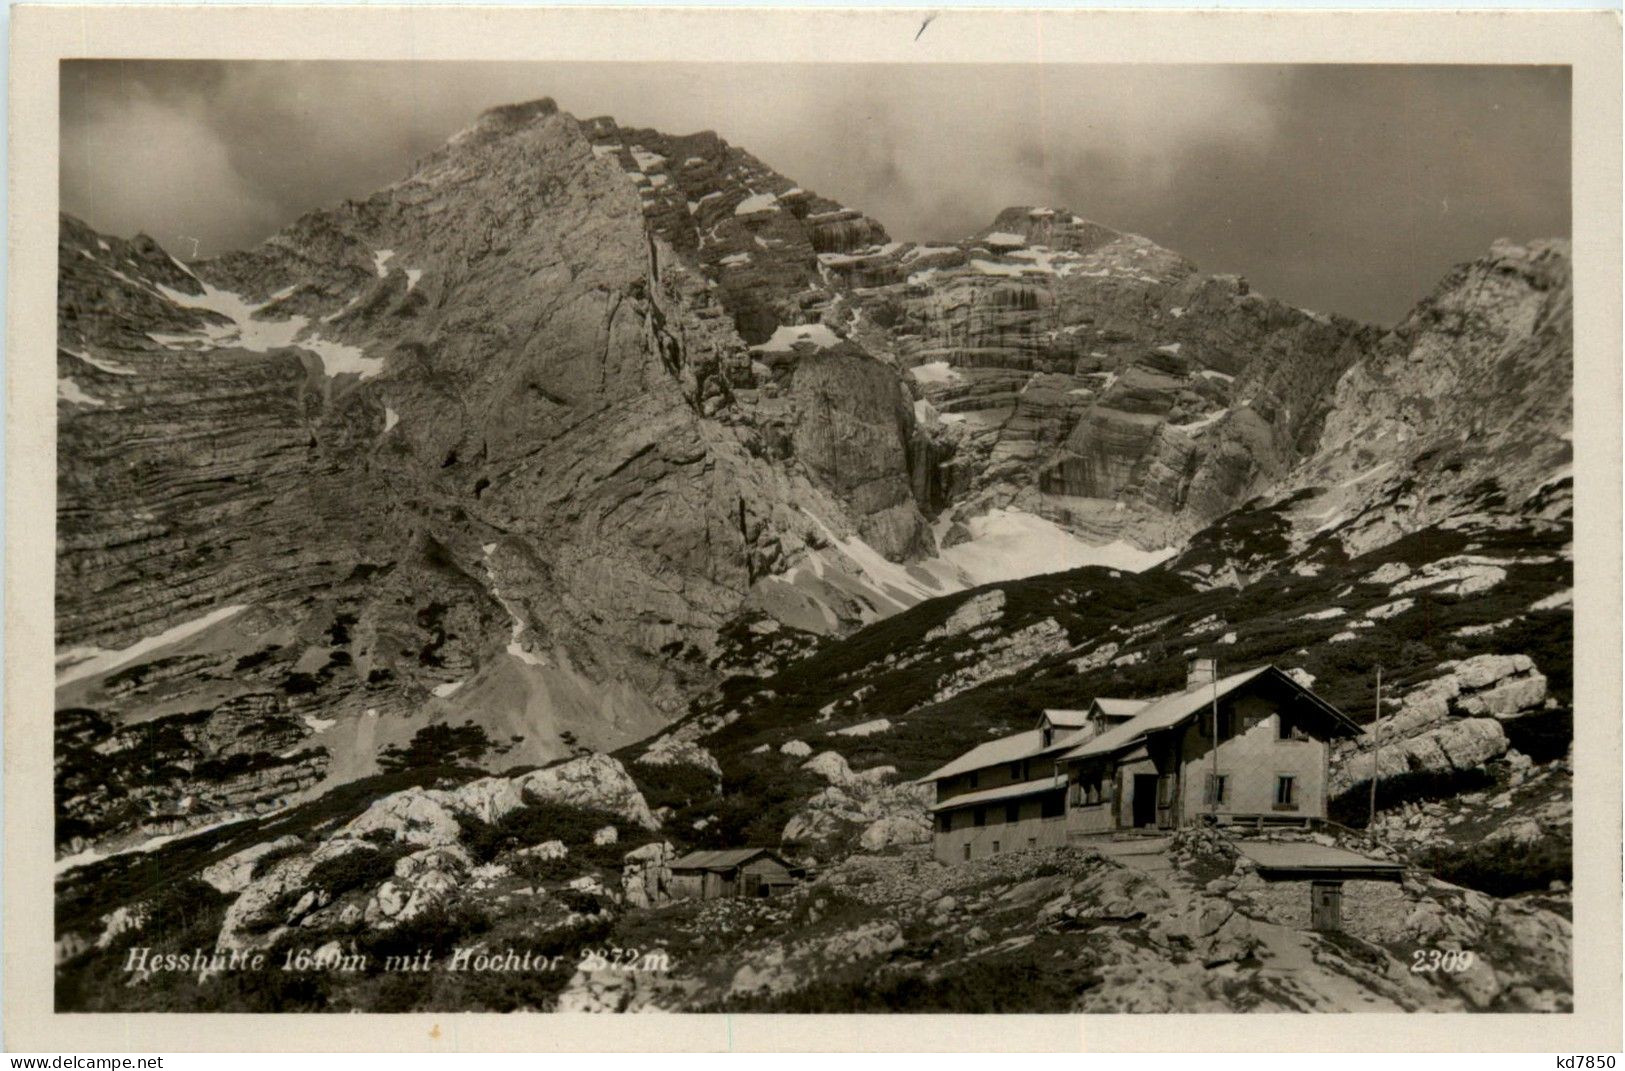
(1213,783)
(1376,754)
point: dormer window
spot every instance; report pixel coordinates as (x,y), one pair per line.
(1047,734)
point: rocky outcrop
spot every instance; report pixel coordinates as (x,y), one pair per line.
(406,852)
(1450,723)
(975,612)
(865,807)
(675,751)
(422,880)
(646,874)
(598,782)
(1465,406)
(232,874)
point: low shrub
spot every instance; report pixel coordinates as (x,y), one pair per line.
(1502,868)
(262,865)
(543,820)
(1353,807)
(1543,735)
(976,986)
(361,868)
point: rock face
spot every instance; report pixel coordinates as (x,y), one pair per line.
(486,435)
(866,806)
(1466,405)
(1092,376)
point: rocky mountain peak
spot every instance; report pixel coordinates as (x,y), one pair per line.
(1465,406)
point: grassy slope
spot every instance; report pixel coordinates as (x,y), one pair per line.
(1163,617)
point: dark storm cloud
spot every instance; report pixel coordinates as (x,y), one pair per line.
(1347,189)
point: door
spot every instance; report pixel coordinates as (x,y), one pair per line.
(753,885)
(1145,800)
(1326,905)
(1167,791)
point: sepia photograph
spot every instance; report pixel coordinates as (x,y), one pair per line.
(817,537)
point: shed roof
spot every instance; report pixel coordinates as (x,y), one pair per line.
(1003,792)
(1170,710)
(1306,859)
(722,858)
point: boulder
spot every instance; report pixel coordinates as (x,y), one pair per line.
(832,766)
(596,781)
(895,829)
(419,816)
(1460,744)
(974,612)
(675,751)
(646,874)
(232,874)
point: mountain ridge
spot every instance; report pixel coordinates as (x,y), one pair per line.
(563,516)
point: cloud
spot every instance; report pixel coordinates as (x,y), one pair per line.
(155,166)
(1349,189)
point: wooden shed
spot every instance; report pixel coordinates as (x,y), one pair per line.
(709,875)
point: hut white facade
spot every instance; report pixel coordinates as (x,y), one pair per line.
(1250,748)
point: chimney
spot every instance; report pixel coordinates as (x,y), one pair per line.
(1199,672)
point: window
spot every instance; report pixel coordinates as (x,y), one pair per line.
(1216,784)
(1018,771)
(967,853)
(1286,792)
(1032,842)
(995,847)
(975,776)
(1048,735)
(1012,812)
(1287,728)
(945,822)
(1052,805)
(981,816)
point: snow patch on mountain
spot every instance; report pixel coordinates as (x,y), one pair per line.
(1009,544)
(69,391)
(786,339)
(83,662)
(246,331)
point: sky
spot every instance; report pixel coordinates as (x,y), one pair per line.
(1348,189)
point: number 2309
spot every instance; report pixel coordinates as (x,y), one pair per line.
(1451,961)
